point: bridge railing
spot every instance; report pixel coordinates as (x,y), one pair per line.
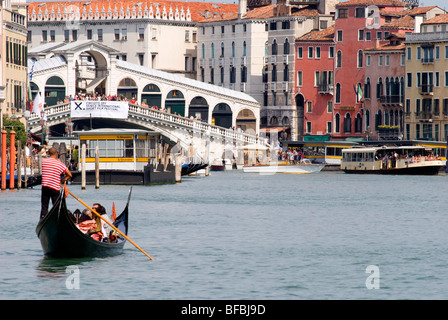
(228,134)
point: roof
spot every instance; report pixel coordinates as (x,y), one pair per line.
(185,81)
(264,12)
(382,3)
(405,22)
(440,19)
(412,12)
(45,64)
(319,35)
(197,9)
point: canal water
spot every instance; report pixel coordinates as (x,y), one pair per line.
(234,235)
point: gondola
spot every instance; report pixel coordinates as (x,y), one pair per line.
(60,237)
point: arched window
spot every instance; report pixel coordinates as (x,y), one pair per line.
(213,50)
(339,59)
(233,48)
(286,46)
(244,49)
(379,88)
(274,48)
(266,49)
(337,120)
(358,123)
(360,59)
(367,89)
(222,49)
(203,51)
(338,93)
(367,118)
(347,123)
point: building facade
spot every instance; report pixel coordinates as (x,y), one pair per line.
(427,80)
(14,58)
(315,84)
(253,51)
(142,32)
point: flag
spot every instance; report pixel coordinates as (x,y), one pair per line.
(114,213)
(38,104)
(358,92)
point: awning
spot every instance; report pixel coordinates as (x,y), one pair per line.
(275,129)
(94,83)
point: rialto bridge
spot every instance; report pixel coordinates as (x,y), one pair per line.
(208,117)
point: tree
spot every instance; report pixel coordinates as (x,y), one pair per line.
(18,127)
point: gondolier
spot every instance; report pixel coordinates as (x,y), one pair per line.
(52,169)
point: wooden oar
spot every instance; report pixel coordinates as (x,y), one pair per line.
(115,228)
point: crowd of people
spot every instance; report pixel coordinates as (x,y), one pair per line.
(291,156)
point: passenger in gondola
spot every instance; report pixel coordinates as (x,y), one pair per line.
(103,231)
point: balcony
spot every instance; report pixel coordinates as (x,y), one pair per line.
(325,89)
(426,89)
(243,61)
(427,60)
(391,100)
(424,115)
(285,59)
(273,59)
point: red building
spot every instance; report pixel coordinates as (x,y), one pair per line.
(358,25)
(314,67)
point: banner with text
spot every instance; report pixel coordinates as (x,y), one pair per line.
(99,109)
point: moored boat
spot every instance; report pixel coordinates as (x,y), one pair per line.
(60,237)
(305,166)
(408,160)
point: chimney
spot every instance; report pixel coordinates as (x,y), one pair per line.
(418,21)
(242,8)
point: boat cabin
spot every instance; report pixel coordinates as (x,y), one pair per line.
(408,159)
(119,149)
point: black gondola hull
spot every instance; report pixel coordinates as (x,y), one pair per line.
(60,238)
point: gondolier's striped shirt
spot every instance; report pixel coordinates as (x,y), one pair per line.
(51,173)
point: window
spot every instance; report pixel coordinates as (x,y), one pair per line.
(446,79)
(232,75)
(274,73)
(299,78)
(299,53)
(222,29)
(329,107)
(316,78)
(402,62)
(286,47)
(116,34)
(446,52)
(360,12)
(89,34)
(368,60)
(187,35)
(368,36)
(44,35)
(124,34)
(274,48)
(339,35)
(317,52)
(437,52)
(379,35)
(74,35)
(338,93)
(409,53)
(337,123)
(342,13)
(331,52)
(141,58)
(310,52)
(66,35)
(380,60)
(52,35)
(309,107)
(360,35)
(339,60)
(419,53)
(141,33)
(360,59)
(387,60)
(409,80)
(308,127)
(100,34)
